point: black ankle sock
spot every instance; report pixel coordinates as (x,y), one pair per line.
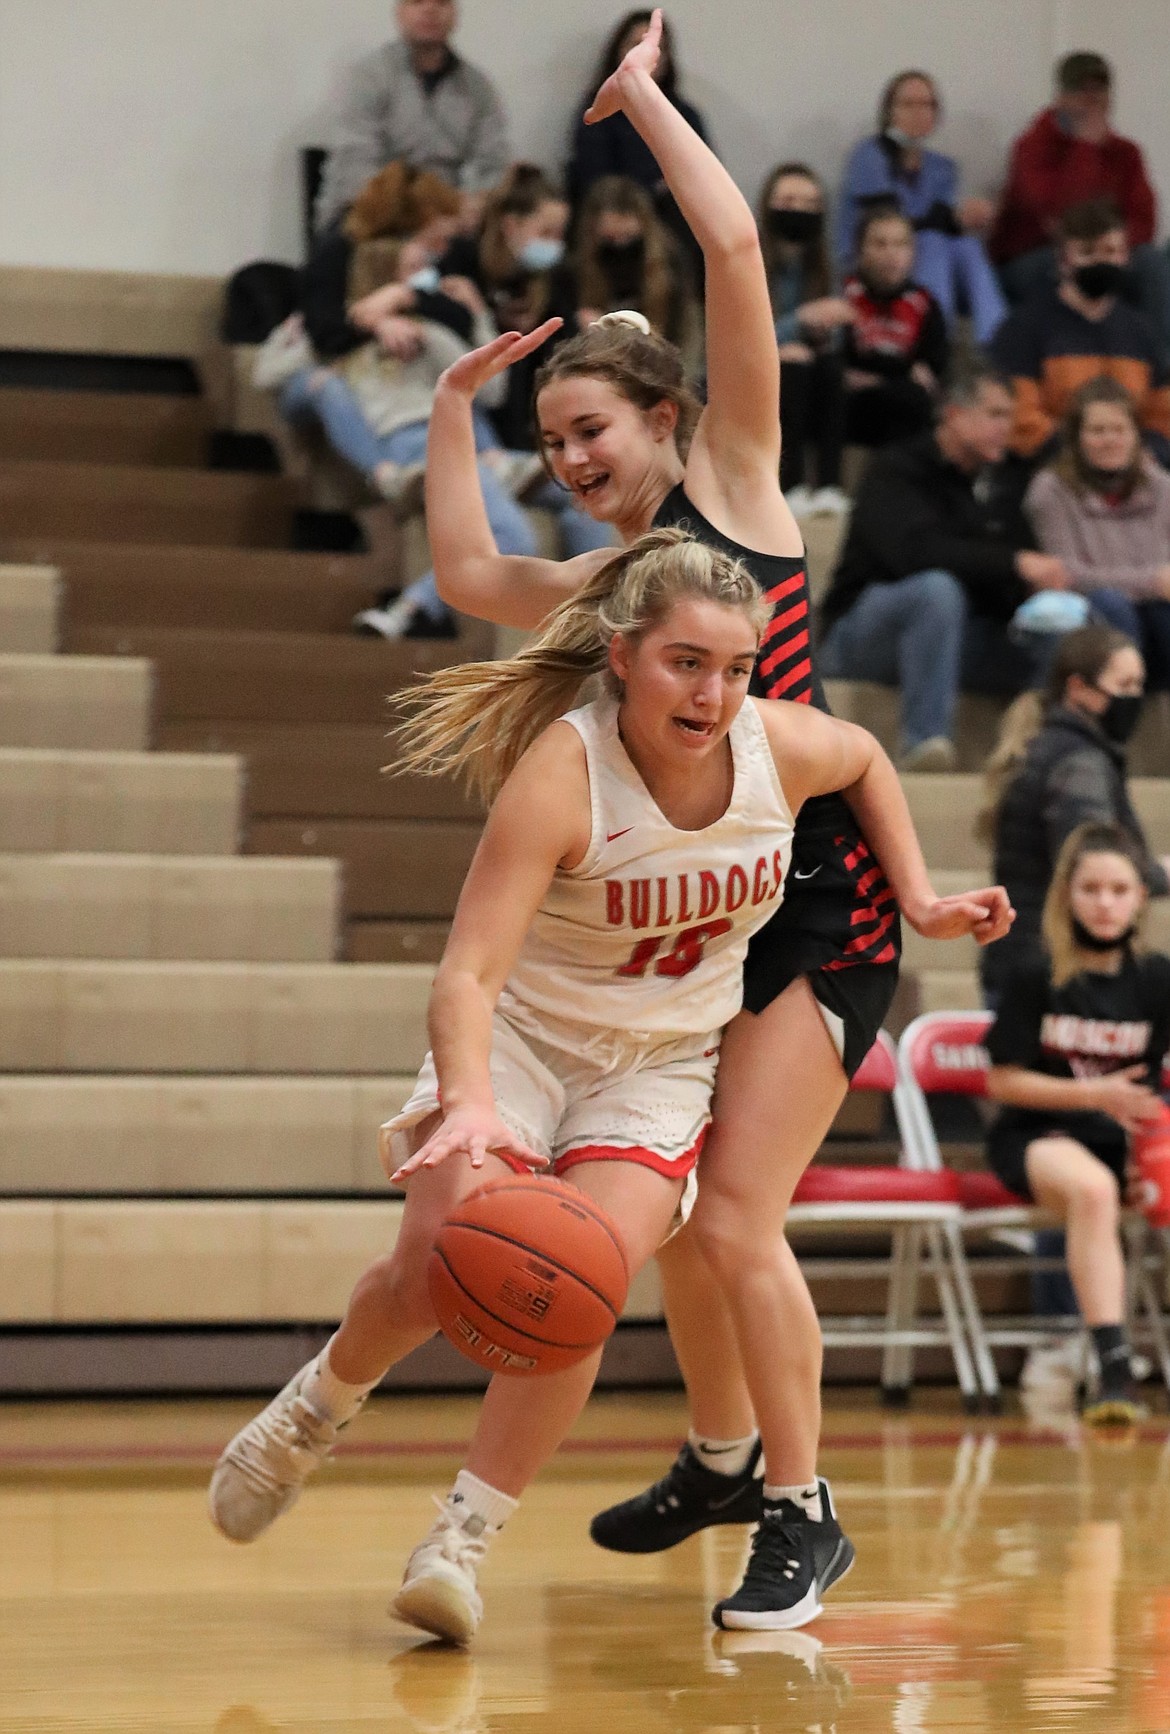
(1113,1355)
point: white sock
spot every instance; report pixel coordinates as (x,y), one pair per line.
(472,1498)
(330,1395)
(807,1495)
(724,1456)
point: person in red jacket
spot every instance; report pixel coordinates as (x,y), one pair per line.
(1068,155)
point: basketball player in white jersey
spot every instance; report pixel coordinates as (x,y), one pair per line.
(597,951)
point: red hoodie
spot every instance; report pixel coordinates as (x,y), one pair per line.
(1051,170)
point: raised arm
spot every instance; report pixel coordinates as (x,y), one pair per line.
(540,819)
(736,450)
(471,573)
(819,755)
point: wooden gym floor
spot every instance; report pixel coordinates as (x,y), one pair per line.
(1011,1575)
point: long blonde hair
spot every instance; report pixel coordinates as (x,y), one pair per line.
(478,718)
(1085,652)
(1093,838)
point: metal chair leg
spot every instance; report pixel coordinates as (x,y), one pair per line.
(969,1303)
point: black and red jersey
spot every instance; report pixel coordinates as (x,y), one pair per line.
(844,907)
(891,333)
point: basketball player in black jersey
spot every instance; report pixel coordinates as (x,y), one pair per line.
(621,431)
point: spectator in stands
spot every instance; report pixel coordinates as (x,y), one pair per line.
(895,347)
(810,320)
(516,263)
(894,167)
(1069,155)
(415,101)
(1081,328)
(937,559)
(625,257)
(1076,1052)
(1103,506)
(1060,762)
(375,406)
(613,146)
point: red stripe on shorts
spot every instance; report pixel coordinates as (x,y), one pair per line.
(675,1168)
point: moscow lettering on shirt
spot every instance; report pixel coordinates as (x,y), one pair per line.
(674,900)
(1092,1046)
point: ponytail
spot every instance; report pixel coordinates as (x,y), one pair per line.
(479,718)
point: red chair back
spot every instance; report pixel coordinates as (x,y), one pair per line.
(945,1052)
(879,1069)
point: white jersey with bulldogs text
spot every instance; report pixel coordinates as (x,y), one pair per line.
(648,934)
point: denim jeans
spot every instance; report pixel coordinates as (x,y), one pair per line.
(920,635)
(1147,623)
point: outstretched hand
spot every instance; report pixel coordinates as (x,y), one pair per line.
(642,57)
(471,1132)
(986,914)
(472,371)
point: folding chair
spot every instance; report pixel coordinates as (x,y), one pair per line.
(914,1208)
(1148,1276)
(943,1053)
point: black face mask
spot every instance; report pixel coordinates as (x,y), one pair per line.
(1106,481)
(1120,716)
(631,252)
(1087,941)
(1097,281)
(799,226)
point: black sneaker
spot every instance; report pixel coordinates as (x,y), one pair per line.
(793,1562)
(689,1497)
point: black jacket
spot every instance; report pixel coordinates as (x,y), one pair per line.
(1071,773)
(915,512)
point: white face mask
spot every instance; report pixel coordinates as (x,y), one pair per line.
(425,280)
(900,138)
(541,253)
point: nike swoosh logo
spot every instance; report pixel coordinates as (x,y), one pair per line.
(811,875)
(613,836)
(722,1504)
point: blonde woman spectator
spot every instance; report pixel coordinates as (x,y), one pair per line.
(1103,506)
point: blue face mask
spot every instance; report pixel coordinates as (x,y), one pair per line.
(426,281)
(541,254)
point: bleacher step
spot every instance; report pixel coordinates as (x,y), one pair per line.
(29,600)
(103,427)
(74,701)
(394,869)
(65,1015)
(127,503)
(54,799)
(168,907)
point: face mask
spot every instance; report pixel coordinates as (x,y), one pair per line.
(630,252)
(1090,942)
(541,254)
(902,139)
(425,281)
(1120,716)
(1105,481)
(799,226)
(1097,281)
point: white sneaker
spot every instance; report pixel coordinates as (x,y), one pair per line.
(800,501)
(829,503)
(401,486)
(1059,1365)
(519,471)
(439,1592)
(935,754)
(262,1471)
(389,622)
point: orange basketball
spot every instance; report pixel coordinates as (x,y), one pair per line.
(527,1276)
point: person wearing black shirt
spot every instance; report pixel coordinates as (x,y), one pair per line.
(937,559)
(1076,1054)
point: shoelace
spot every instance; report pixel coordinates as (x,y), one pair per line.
(288,1436)
(682,1474)
(449,1538)
(776,1549)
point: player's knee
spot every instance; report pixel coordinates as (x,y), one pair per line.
(395,1288)
(1096,1196)
(725,1235)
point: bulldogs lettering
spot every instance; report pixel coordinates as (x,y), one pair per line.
(687,897)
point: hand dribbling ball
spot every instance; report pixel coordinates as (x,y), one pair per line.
(527,1276)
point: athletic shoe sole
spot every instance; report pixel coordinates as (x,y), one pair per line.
(436,1607)
(803,1612)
